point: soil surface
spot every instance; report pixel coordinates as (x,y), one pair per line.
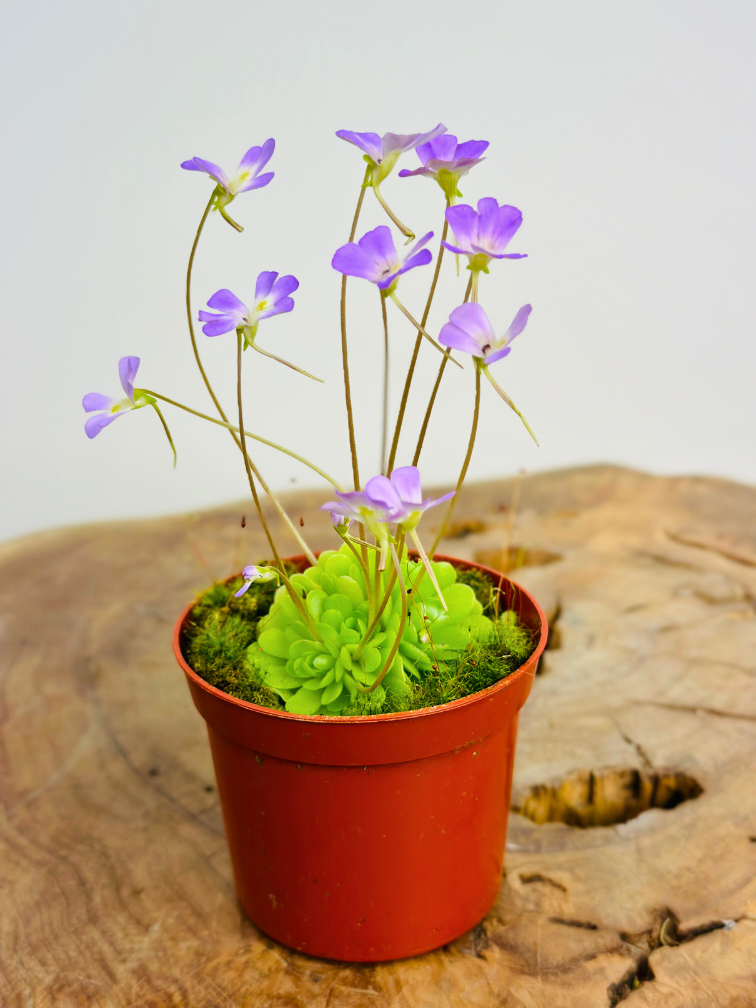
(631,858)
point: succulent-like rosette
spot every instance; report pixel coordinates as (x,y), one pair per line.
(323,677)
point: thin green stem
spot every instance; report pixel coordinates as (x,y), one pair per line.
(500,391)
(288,364)
(400,630)
(249,434)
(365,572)
(344,351)
(384,424)
(295,598)
(167,432)
(409,235)
(415,352)
(377,616)
(434,393)
(465,464)
(420,329)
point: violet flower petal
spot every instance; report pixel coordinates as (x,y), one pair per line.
(351,260)
(471,318)
(369,143)
(264,285)
(281,307)
(127,369)
(380,491)
(284,286)
(97,401)
(214,171)
(226,301)
(495,355)
(456,338)
(406,480)
(221,325)
(518,323)
(257,183)
(96,423)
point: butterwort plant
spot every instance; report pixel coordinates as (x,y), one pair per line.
(374,617)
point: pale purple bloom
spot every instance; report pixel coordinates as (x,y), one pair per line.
(339,522)
(247,174)
(386,501)
(446,161)
(271,298)
(382,152)
(375,258)
(470,331)
(127,369)
(249,574)
(484,234)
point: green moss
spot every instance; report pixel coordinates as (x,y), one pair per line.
(222,628)
(219,631)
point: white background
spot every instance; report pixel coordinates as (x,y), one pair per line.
(623,130)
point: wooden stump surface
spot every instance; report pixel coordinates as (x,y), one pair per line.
(115,881)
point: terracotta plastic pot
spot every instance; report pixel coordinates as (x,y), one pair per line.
(369,838)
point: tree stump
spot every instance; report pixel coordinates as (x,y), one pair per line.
(632,846)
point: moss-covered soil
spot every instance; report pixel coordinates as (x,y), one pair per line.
(221,628)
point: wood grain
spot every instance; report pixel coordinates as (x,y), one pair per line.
(114,877)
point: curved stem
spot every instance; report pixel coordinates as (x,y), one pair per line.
(409,235)
(384,424)
(377,616)
(229,220)
(233,431)
(295,598)
(416,351)
(344,352)
(465,464)
(434,393)
(167,432)
(249,434)
(189,319)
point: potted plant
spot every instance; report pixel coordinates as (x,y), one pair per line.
(362,703)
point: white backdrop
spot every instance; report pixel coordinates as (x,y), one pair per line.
(623,131)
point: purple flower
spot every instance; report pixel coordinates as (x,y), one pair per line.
(127,369)
(271,298)
(375,258)
(381,153)
(249,574)
(385,501)
(445,160)
(247,174)
(470,331)
(402,497)
(483,235)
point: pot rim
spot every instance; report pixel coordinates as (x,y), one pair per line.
(498,579)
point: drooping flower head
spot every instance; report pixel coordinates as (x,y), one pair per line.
(271,298)
(484,234)
(446,161)
(401,496)
(384,502)
(247,174)
(374,258)
(469,330)
(382,153)
(251,574)
(113,408)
